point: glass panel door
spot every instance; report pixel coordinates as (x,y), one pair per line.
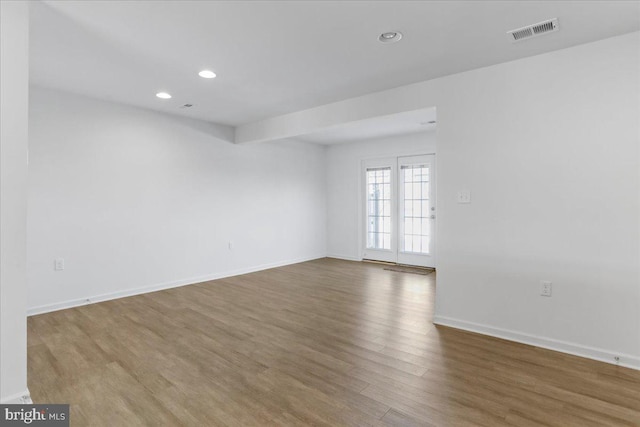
(416,210)
(399,210)
(380,209)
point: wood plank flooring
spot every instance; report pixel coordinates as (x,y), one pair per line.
(326,343)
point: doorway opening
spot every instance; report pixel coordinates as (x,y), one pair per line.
(399,210)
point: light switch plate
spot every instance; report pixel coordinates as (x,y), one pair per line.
(464,196)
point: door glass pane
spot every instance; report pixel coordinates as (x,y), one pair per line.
(408,225)
(386,240)
(408,245)
(408,210)
(416,209)
(408,189)
(379,208)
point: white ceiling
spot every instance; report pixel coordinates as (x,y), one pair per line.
(275,57)
(392,125)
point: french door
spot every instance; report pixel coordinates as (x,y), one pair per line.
(400,210)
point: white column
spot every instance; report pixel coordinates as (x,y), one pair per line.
(14,100)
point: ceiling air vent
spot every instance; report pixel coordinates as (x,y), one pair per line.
(534,30)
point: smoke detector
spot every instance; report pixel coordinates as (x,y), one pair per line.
(534,30)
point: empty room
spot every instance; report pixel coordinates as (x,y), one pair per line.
(327,213)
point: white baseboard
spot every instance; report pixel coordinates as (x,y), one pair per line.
(160,286)
(344,257)
(22,398)
(601,355)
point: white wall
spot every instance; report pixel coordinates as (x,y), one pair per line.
(344,195)
(548,146)
(14,86)
(135,200)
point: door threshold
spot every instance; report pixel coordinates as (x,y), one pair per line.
(395,264)
(375,261)
(416,266)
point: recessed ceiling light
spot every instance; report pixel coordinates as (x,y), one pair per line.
(207,74)
(390,37)
(163,95)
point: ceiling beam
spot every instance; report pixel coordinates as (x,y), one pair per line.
(402,99)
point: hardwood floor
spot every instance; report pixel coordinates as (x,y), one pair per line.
(325,342)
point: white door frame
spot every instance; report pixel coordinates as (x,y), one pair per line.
(394,163)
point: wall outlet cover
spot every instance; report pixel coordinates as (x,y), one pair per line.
(545,288)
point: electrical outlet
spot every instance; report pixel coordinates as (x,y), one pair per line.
(545,288)
(58,264)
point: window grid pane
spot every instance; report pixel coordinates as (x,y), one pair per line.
(416,209)
(379,208)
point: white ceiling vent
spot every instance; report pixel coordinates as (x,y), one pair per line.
(534,30)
